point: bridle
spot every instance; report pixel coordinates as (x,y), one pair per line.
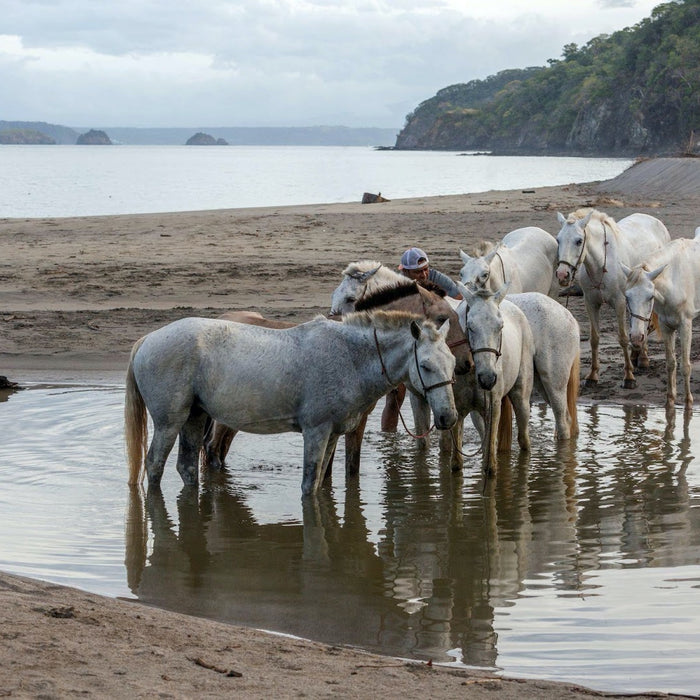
(425,388)
(641,318)
(495,351)
(574,268)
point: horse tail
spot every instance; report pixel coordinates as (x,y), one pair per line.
(572,389)
(505,426)
(654,323)
(135,422)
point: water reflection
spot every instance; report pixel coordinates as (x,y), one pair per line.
(576,563)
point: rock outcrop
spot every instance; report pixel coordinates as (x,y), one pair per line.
(202,139)
(94,137)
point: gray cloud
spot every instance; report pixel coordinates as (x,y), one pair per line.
(147,62)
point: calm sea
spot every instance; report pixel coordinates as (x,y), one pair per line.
(37,181)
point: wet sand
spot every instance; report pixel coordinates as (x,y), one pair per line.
(75,293)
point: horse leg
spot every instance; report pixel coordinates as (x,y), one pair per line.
(217,444)
(327,465)
(669,336)
(686,334)
(629,381)
(164,437)
(353,447)
(191,435)
(521,408)
(491,422)
(315,443)
(451,444)
(421,419)
(594,316)
(392,406)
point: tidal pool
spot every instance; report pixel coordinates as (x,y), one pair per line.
(576,564)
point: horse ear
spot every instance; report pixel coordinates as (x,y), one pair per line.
(467,293)
(658,296)
(415,330)
(466,258)
(584,222)
(655,273)
(366,275)
(490,255)
(501,293)
(625,269)
(444,329)
(561,218)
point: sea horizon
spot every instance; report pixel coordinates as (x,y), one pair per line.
(38,182)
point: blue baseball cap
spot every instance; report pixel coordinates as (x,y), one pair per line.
(414,259)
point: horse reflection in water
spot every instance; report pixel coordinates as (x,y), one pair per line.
(446,560)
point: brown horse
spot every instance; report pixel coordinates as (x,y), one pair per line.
(405,297)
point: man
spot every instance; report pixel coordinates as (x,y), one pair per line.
(416,266)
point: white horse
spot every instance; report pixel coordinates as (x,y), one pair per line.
(592,245)
(557,357)
(503,351)
(524,259)
(318,378)
(668,282)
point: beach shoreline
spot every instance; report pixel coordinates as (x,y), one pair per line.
(76,293)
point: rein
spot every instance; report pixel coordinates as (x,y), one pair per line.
(426,389)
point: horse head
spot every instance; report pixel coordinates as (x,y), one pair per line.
(571,246)
(358,278)
(432,371)
(640,294)
(483,323)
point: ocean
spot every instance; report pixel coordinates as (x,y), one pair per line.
(59,181)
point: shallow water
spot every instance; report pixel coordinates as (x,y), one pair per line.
(575,564)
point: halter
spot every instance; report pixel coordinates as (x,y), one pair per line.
(426,389)
(641,318)
(574,268)
(495,351)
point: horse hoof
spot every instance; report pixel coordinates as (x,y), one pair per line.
(629,384)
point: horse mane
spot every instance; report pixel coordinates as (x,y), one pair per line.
(635,275)
(432,287)
(386,320)
(596,215)
(480,248)
(383,277)
(386,295)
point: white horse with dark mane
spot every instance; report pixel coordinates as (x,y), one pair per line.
(668,282)
(318,378)
(524,259)
(592,247)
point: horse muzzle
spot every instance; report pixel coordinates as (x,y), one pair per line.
(637,339)
(445,419)
(564,272)
(487,380)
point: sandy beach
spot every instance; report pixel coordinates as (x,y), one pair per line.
(75,293)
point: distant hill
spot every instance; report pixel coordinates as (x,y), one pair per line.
(59,134)
(258,136)
(234,135)
(634,92)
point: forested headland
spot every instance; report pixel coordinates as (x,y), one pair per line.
(635,92)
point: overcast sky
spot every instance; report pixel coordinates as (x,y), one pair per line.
(189,63)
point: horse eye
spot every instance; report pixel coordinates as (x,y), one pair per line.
(425,368)
(350,300)
(579,241)
(441,319)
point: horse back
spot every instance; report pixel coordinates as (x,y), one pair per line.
(639,236)
(532,254)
